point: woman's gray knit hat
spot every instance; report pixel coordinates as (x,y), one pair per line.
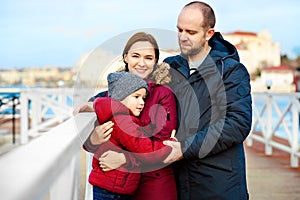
(122,84)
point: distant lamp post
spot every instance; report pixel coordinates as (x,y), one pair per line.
(60,83)
(269,84)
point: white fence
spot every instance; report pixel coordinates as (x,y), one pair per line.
(276,115)
(47,165)
(41,109)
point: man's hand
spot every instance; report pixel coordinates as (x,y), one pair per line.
(86,107)
(176,153)
(111,160)
(101,133)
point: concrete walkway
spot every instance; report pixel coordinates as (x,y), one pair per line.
(271,177)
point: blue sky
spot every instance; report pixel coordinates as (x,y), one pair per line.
(57,33)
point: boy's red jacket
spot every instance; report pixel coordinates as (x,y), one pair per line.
(127,135)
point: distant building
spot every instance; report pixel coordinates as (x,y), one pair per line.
(9,77)
(256,51)
(38,76)
(278,78)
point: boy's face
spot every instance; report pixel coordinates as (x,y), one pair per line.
(135,101)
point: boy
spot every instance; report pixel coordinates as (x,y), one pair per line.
(125,102)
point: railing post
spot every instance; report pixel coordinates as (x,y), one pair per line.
(249,140)
(36,111)
(14,119)
(24,117)
(295,133)
(268,136)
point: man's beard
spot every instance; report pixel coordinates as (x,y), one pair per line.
(191,52)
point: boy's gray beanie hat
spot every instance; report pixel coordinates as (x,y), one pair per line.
(122,84)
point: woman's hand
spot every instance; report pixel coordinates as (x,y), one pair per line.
(101,133)
(176,153)
(86,107)
(111,160)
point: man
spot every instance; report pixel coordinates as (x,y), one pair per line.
(213,92)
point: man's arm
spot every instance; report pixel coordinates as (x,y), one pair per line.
(230,129)
(233,123)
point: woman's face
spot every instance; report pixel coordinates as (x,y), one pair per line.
(141,59)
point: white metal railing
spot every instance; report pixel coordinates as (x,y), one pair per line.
(47,165)
(276,115)
(36,105)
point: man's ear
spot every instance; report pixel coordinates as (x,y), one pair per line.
(209,33)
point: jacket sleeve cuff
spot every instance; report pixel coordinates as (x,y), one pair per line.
(88,146)
(184,150)
(131,162)
(188,148)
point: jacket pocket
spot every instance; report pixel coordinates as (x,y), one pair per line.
(223,164)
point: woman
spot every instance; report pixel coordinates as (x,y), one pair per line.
(159,118)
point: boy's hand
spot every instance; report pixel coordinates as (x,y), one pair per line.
(101,133)
(86,107)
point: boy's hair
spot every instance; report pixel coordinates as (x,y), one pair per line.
(122,84)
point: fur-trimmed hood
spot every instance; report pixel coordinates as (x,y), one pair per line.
(161,75)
